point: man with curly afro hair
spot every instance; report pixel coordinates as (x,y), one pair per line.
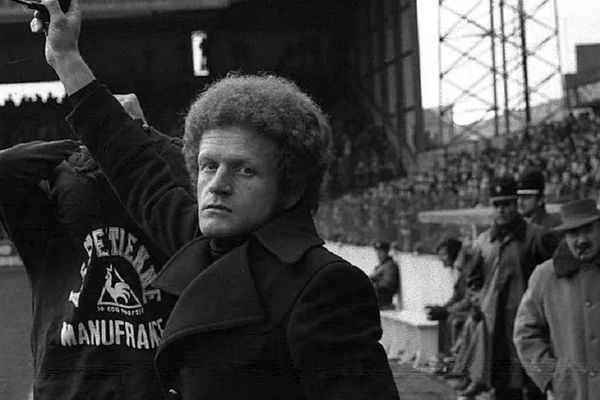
(264,311)
(276,109)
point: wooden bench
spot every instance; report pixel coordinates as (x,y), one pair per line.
(409,336)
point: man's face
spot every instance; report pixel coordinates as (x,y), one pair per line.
(444,257)
(237,187)
(505,211)
(528,204)
(584,242)
(381,254)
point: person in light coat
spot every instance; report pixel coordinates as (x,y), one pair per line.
(557,328)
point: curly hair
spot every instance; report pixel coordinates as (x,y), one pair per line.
(276,109)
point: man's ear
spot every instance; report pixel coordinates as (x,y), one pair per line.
(292,197)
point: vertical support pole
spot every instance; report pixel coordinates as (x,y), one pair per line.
(557,35)
(504,71)
(524,57)
(492,33)
(441,109)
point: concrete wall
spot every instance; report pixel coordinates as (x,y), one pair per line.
(423,279)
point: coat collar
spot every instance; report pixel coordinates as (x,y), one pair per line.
(517,229)
(565,264)
(223,294)
(539,215)
(288,237)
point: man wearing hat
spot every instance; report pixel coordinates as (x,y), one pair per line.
(386,276)
(531,201)
(557,330)
(504,257)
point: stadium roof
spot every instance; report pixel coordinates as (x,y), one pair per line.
(468,216)
(97,9)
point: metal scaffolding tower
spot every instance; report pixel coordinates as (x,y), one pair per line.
(499,65)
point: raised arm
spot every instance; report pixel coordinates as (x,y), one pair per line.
(135,166)
(26,211)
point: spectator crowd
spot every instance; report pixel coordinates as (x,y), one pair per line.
(566,151)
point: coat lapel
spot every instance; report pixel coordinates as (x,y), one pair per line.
(212,297)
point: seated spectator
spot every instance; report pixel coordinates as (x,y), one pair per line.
(385,277)
(454,312)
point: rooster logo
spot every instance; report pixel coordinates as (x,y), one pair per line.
(117,292)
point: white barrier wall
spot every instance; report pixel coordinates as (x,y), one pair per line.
(423,279)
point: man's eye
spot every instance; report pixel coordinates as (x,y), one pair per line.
(208,166)
(246,171)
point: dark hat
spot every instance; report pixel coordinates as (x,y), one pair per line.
(503,188)
(385,246)
(531,183)
(577,214)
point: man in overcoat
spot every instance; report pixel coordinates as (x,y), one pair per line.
(557,330)
(263,310)
(504,257)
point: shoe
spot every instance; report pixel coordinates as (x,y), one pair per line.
(473,389)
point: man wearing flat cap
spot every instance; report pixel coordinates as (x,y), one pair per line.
(557,330)
(531,201)
(385,276)
(504,258)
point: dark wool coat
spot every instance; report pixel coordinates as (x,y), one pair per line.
(503,265)
(557,330)
(277,318)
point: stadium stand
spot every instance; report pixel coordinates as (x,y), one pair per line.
(567,152)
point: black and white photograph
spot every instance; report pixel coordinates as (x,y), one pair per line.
(299,200)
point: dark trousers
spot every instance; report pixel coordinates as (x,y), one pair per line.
(529,391)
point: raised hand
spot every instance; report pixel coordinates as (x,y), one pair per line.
(62,44)
(62,33)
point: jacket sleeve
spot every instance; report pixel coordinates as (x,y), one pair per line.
(532,334)
(333,335)
(460,300)
(136,168)
(475,277)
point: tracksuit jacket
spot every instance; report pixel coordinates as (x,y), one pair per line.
(97,320)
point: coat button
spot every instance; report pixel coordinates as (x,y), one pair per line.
(592,374)
(588,304)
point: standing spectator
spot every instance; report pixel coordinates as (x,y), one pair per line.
(385,277)
(532,205)
(558,321)
(504,257)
